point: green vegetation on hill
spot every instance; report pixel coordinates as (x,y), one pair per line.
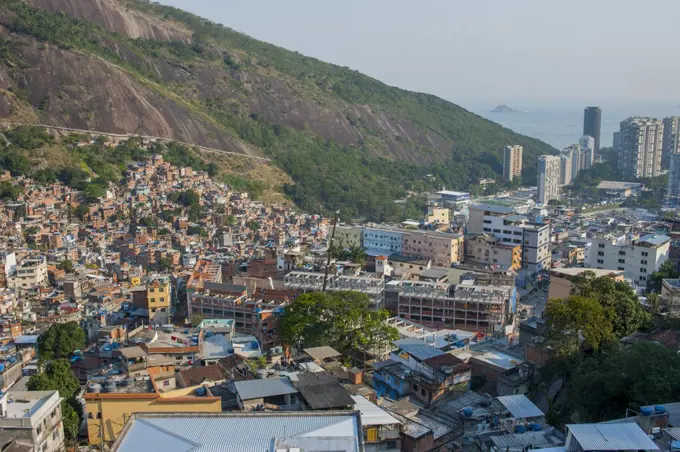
(361,178)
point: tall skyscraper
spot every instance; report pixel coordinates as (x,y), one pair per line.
(512,162)
(592,124)
(616,141)
(671,139)
(587,145)
(640,147)
(548,178)
(673,193)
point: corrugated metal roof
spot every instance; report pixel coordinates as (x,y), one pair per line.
(372,414)
(244,433)
(625,436)
(520,406)
(256,389)
(421,351)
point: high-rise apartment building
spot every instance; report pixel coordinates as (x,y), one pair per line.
(548,178)
(671,139)
(640,147)
(512,162)
(587,157)
(569,164)
(616,143)
(674,180)
(592,123)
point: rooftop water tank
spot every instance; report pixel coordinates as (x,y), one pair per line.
(535,427)
(467,412)
(94,387)
(658,409)
(262,374)
(110,386)
(201,391)
(520,429)
(127,381)
(646,411)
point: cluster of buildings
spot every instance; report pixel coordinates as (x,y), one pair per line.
(182,315)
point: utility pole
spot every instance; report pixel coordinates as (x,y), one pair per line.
(330,247)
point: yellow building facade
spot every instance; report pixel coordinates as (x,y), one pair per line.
(108,413)
(158,297)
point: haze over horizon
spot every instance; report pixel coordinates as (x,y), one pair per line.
(529,51)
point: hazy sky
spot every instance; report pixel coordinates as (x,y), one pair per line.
(472,51)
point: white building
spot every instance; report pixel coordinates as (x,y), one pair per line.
(32,421)
(548,178)
(512,162)
(637,258)
(30,273)
(673,193)
(640,147)
(587,145)
(671,137)
(513,230)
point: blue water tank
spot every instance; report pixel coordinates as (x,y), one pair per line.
(201,391)
(467,412)
(535,427)
(658,409)
(520,429)
(646,411)
(2,367)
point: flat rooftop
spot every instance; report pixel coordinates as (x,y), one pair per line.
(24,404)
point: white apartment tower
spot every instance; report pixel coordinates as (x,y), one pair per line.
(671,138)
(512,162)
(587,145)
(640,147)
(548,178)
(569,164)
(673,193)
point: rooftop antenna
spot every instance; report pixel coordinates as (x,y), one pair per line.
(330,248)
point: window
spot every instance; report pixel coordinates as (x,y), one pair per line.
(54,413)
(160,289)
(162,299)
(644,253)
(643,270)
(166,383)
(622,253)
(487,221)
(38,430)
(422,392)
(622,269)
(600,261)
(600,245)
(600,253)
(643,262)
(643,278)
(151,289)
(415,386)
(497,231)
(622,261)
(55,434)
(487,229)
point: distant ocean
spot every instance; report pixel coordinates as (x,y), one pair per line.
(562,125)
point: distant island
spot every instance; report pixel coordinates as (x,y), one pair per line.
(505,109)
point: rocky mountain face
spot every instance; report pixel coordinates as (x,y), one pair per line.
(125,66)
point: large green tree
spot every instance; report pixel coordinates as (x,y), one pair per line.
(666,271)
(576,322)
(344,320)
(60,340)
(603,386)
(58,376)
(621,305)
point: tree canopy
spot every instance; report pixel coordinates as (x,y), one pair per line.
(343,320)
(621,305)
(60,341)
(58,376)
(603,386)
(576,322)
(666,271)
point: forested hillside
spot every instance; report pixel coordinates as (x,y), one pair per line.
(347,141)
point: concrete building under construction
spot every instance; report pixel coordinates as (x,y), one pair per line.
(479,305)
(369,284)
